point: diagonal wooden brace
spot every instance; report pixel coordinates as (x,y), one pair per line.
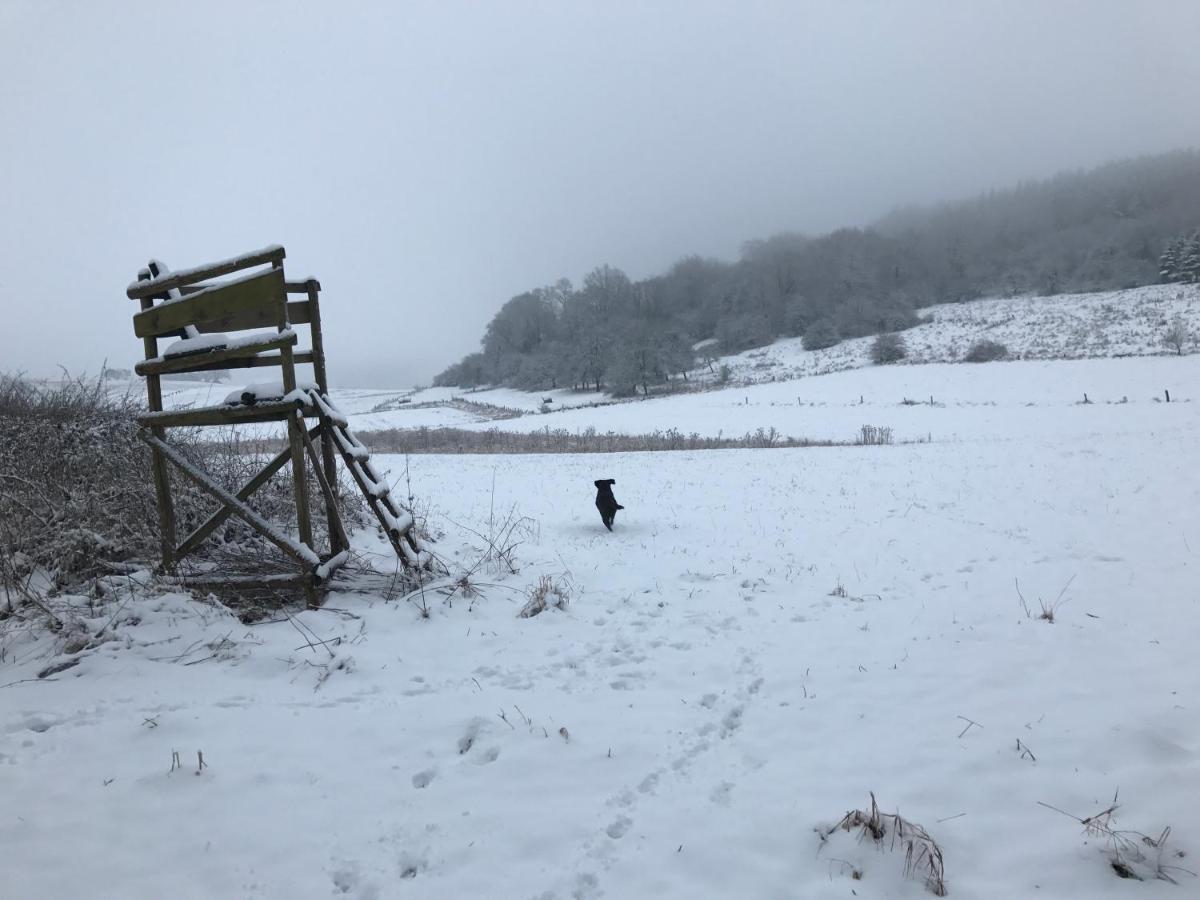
(298,551)
(197,537)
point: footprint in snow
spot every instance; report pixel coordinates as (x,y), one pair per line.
(423,779)
(467,741)
(619,827)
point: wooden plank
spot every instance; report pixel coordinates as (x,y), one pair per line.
(297,315)
(338,540)
(295,425)
(303,554)
(321,377)
(301,287)
(253,302)
(152,288)
(213,359)
(252,362)
(270,411)
(158,466)
(197,537)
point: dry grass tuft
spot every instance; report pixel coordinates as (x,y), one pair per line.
(922,855)
(546,594)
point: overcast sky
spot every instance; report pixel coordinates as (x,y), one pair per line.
(429,160)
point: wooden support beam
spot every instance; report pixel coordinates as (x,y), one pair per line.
(209,359)
(197,537)
(158,466)
(321,377)
(241,414)
(140,290)
(249,362)
(300,552)
(338,540)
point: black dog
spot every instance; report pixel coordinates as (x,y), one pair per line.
(606,502)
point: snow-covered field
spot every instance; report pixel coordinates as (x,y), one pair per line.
(767,637)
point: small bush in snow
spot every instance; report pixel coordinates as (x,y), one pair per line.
(986,351)
(922,855)
(545,594)
(874,435)
(888,348)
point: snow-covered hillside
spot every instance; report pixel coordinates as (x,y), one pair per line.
(1065,326)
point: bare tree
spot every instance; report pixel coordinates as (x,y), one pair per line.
(1177,336)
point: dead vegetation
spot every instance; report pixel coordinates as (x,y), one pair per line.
(874,436)
(1131,854)
(560,440)
(548,593)
(77,501)
(1048,610)
(891,831)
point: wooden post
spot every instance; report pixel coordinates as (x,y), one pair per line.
(328,457)
(299,476)
(158,465)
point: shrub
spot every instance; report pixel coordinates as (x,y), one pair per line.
(820,334)
(76,495)
(874,435)
(888,348)
(986,351)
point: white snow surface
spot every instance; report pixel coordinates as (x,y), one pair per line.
(765,638)
(216,341)
(269,390)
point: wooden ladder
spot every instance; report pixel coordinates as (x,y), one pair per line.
(397,523)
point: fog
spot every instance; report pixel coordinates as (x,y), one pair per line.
(428,161)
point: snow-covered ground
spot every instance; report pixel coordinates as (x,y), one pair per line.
(767,637)
(1001,400)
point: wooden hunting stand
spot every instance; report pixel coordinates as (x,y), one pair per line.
(205,314)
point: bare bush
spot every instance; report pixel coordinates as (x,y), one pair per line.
(874,435)
(1131,854)
(1177,335)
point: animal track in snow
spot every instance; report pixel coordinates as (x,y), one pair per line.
(619,827)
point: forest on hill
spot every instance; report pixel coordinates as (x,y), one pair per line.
(1120,225)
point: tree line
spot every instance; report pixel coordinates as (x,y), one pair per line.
(1116,226)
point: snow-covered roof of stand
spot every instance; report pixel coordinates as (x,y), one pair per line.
(188,273)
